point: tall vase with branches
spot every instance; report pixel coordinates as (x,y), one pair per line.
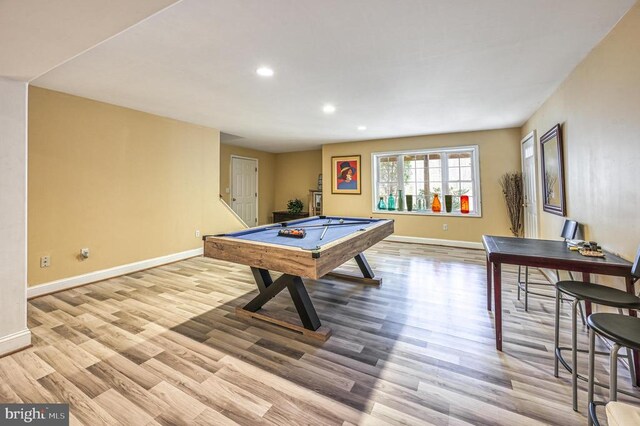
(513,191)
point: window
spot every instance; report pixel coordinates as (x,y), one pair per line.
(421,174)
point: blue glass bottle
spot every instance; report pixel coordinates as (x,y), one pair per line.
(381,204)
(391,202)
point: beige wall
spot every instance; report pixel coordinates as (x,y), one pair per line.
(128,185)
(598,106)
(296,174)
(266,177)
(499,153)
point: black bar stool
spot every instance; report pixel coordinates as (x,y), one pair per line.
(623,331)
(595,293)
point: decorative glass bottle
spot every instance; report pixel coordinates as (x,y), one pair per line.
(409,202)
(436,206)
(464,204)
(400,200)
(448,203)
(391,202)
(381,204)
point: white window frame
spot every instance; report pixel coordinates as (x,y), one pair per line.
(475,172)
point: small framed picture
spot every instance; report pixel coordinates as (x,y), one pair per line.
(345,177)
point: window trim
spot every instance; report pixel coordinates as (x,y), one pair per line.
(475,166)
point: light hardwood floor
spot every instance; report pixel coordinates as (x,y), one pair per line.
(163,346)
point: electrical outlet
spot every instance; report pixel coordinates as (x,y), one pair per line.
(45,261)
(197,232)
(445,227)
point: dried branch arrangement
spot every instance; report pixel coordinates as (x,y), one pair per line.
(513,191)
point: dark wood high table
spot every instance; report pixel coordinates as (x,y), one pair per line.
(546,254)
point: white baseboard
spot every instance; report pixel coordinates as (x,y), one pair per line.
(67,283)
(435,242)
(15,341)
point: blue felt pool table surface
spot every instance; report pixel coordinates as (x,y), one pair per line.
(314,226)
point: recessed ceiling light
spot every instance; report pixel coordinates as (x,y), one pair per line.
(362,128)
(329,109)
(264,72)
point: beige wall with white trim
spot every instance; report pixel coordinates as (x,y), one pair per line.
(128,185)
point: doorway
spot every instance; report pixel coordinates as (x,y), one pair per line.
(244,188)
(529,179)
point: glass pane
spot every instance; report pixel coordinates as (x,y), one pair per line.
(456,203)
(466,188)
(387,166)
(472,206)
(409,175)
(410,189)
(383,175)
(454,173)
(393,173)
(423,189)
(465,159)
(435,174)
(453,161)
(465,173)
(435,187)
(420,176)
(383,191)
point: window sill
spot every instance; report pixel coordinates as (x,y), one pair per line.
(427,213)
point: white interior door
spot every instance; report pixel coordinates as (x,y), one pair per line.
(529,182)
(244,189)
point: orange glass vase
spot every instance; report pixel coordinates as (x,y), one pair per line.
(436,206)
(464,204)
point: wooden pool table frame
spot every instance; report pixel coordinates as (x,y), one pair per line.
(296,263)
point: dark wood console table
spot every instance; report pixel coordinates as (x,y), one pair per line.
(284,216)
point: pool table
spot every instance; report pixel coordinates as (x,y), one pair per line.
(329,242)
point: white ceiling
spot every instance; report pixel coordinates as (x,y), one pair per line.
(399,67)
(37,35)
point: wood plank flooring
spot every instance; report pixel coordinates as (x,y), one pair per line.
(164,346)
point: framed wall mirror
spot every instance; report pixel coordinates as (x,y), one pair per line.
(552,161)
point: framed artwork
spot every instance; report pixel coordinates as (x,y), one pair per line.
(345,177)
(553,192)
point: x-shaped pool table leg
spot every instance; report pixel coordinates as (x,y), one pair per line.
(269,289)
